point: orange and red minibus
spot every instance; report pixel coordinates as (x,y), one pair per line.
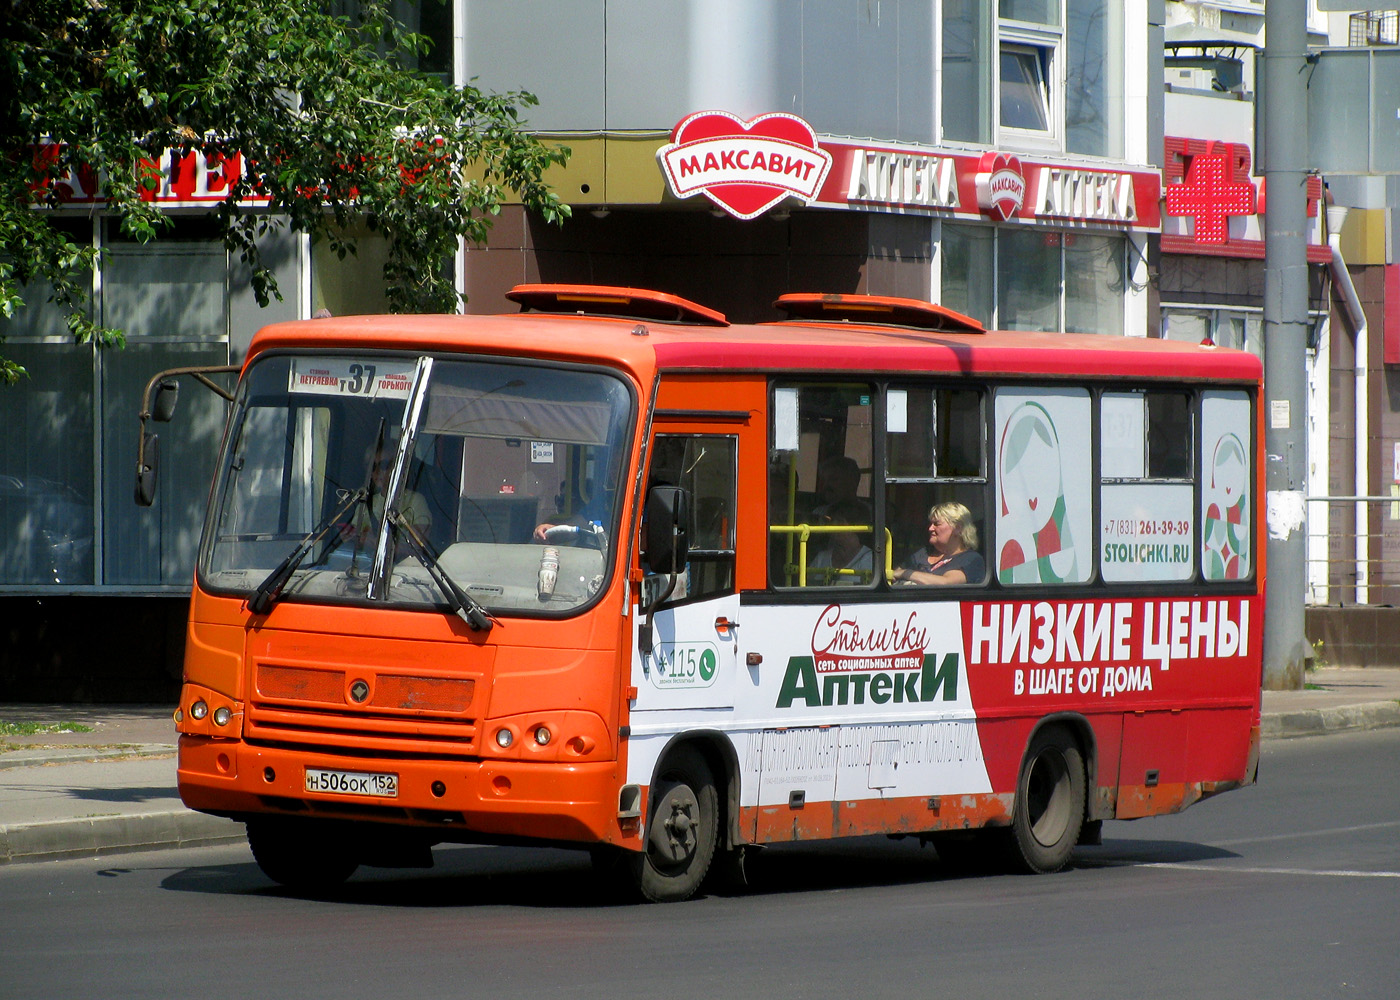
(611,572)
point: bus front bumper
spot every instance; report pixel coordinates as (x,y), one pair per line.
(491,799)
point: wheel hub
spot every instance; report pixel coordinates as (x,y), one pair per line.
(673,833)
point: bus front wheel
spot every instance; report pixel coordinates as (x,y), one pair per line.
(682,827)
(299,855)
(1049,808)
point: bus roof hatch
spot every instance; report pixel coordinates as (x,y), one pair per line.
(609,300)
(876,309)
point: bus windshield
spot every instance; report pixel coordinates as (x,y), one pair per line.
(394,479)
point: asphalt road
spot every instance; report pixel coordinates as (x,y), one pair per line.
(1288,889)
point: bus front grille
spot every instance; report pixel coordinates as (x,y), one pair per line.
(361,711)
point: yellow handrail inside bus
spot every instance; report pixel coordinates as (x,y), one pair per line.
(802,533)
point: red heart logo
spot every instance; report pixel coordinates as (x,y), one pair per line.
(745,167)
(709,124)
(1001,184)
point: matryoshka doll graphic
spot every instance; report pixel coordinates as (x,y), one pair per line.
(1226,543)
(1033,527)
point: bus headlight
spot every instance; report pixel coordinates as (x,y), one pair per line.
(548,736)
(207,712)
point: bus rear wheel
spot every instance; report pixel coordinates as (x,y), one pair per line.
(300,855)
(1049,808)
(682,827)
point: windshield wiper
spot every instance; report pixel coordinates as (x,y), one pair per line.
(271,588)
(466,606)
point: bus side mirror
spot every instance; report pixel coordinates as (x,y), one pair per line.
(668,529)
(147,468)
(167,394)
(158,403)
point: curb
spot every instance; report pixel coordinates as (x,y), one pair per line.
(75,755)
(1323,721)
(72,838)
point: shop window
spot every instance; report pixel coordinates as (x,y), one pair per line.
(46,463)
(822,530)
(1095,270)
(967,270)
(1028,279)
(171,299)
(157,545)
(1191,326)
(1034,279)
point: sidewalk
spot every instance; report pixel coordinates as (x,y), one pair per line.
(105,790)
(111,789)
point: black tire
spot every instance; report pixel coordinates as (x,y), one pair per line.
(682,827)
(300,856)
(1049,809)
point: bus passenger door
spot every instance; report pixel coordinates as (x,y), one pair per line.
(694,642)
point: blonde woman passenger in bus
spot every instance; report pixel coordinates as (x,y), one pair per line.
(951,556)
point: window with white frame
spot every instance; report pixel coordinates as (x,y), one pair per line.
(1029,71)
(1025,87)
(1035,74)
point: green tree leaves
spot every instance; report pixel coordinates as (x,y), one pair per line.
(332,127)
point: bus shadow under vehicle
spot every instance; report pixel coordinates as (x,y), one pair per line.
(468,876)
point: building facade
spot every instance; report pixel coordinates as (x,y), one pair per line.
(1005,159)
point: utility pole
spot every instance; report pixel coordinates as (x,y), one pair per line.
(1285,338)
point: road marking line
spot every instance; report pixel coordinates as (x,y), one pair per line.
(1308,833)
(1339,872)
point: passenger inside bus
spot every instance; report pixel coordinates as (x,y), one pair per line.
(951,555)
(846,561)
(838,482)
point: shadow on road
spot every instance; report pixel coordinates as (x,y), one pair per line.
(561,879)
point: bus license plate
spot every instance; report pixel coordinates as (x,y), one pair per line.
(384,786)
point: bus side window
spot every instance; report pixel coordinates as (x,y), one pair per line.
(1044,495)
(706,465)
(1146,493)
(935,448)
(820,481)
